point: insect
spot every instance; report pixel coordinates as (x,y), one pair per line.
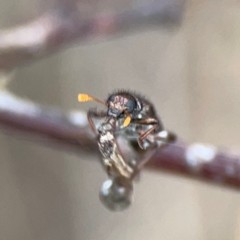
(129,109)
(136,119)
(112,159)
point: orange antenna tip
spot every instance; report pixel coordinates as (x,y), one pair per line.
(84,97)
(127,121)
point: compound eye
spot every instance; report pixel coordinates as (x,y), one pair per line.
(111,98)
(130,105)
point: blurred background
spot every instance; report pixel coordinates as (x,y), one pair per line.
(190,71)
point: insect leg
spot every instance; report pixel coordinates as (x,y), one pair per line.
(92,113)
(148,121)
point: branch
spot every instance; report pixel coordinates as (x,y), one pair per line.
(200,161)
(65,24)
(25,117)
(206,163)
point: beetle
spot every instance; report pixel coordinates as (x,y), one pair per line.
(130,107)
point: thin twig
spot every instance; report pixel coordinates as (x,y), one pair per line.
(65,24)
(71,130)
(18,115)
(200,161)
